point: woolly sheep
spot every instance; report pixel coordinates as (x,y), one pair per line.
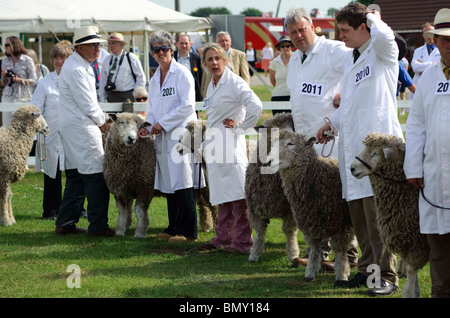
(16,141)
(264,192)
(312,186)
(396,201)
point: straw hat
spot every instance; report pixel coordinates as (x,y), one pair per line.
(116,37)
(86,35)
(441,24)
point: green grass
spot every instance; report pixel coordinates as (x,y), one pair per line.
(34,262)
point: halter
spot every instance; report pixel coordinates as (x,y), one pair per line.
(42,151)
(330,134)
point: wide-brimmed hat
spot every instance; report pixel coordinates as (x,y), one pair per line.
(86,35)
(441,24)
(283,39)
(116,37)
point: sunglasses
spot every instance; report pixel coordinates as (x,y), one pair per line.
(285,46)
(164,48)
(95,46)
(141,99)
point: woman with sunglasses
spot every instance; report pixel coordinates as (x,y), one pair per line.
(140,96)
(278,72)
(18,75)
(171,105)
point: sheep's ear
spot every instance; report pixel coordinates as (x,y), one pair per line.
(388,152)
(311,141)
(258,127)
(35,115)
(112,116)
(145,124)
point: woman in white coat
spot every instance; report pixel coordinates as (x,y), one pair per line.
(231,108)
(171,105)
(46,98)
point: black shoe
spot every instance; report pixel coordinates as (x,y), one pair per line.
(385,289)
(50,215)
(357,281)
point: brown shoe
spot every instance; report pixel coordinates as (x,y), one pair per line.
(208,247)
(327,266)
(163,236)
(181,239)
(108,232)
(63,231)
(303,261)
(232,251)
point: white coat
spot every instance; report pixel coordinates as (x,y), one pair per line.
(80,116)
(368,103)
(172,105)
(426,60)
(314,84)
(46,98)
(428,149)
(234,99)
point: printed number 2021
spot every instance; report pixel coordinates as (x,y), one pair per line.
(168,91)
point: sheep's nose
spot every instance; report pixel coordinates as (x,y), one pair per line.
(130,140)
(352,169)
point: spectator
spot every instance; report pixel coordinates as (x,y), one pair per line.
(231,108)
(237,61)
(267,55)
(121,72)
(368,104)
(426,159)
(317,62)
(79,119)
(170,107)
(41,69)
(278,69)
(18,75)
(141,96)
(46,98)
(192,61)
(424,56)
(251,57)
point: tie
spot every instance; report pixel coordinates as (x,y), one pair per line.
(447,73)
(356,55)
(304,57)
(114,64)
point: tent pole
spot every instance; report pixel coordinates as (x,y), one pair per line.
(146,57)
(40,48)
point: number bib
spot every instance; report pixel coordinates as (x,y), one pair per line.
(168,91)
(442,88)
(311,89)
(363,74)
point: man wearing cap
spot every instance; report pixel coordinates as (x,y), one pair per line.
(427,157)
(368,104)
(80,123)
(314,78)
(121,72)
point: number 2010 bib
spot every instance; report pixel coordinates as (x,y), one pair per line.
(363,74)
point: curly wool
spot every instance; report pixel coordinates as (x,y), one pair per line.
(397,202)
(264,193)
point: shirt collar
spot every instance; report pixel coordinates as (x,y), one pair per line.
(186,57)
(316,38)
(363,47)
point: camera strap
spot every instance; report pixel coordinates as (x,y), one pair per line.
(112,70)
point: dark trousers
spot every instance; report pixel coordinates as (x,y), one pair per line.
(280,99)
(119,97)
(439,265)
(79,186)
(52,193)
(182,210)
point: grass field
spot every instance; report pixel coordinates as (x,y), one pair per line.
(36,263)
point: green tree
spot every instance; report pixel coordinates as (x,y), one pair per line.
(332,12)
(207,11)
(365,2)
(252,12)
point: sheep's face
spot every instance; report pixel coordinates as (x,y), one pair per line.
(365,161)
(128,128)
(192,137)
(42,126)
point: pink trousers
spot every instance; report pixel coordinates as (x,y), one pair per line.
(233,227)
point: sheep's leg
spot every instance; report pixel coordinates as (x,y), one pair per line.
(124,207)
(290,230)
(3,207)
(411,288)
(341,267)
(401,268)
(259,226)
(204,214)
(313,266)
(11,218)
(141,209)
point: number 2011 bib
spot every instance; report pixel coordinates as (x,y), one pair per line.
(311,89)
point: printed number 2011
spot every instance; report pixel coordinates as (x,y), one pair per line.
(311,89)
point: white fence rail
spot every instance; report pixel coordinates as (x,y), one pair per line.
(120,107)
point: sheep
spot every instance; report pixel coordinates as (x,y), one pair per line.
(397,203)
(129,171)
(313,188)
(16,141)
(264,193)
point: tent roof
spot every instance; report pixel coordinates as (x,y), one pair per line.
(62,16)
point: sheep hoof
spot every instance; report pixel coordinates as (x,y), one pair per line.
(120,233)
(308,279)
(139,236)
(252,259)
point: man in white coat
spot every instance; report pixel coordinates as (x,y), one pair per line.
(80,120)
(368,103)
(424,56)
(427,158)
(314,77)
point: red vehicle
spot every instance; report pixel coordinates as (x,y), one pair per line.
(260,30)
